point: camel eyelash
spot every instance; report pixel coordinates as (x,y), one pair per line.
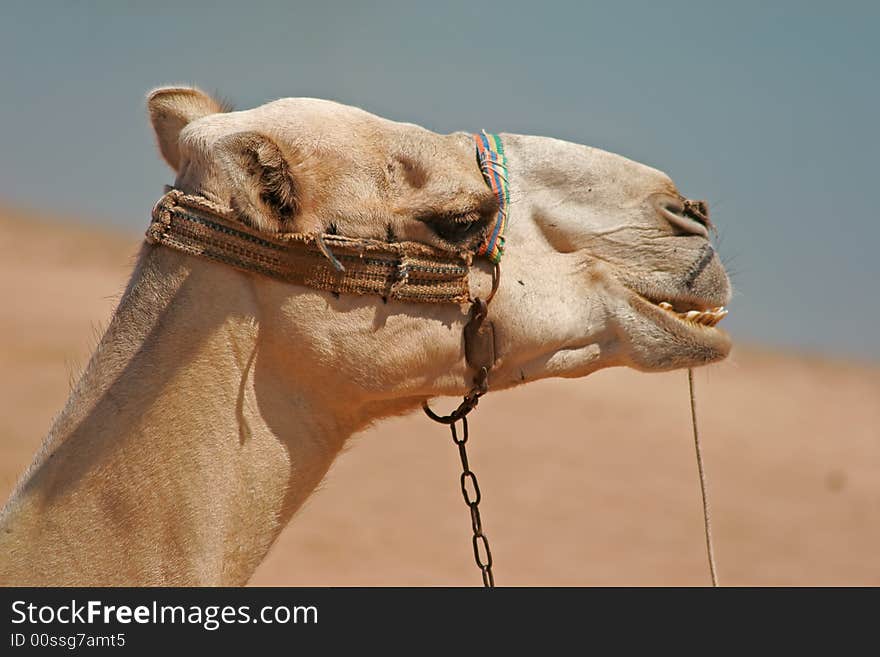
(458,228)
(461,216)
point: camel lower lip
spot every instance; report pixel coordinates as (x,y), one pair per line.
(698,325)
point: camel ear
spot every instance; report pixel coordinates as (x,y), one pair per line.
(261,184)
(171,109)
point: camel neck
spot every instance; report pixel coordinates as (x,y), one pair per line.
(181,453)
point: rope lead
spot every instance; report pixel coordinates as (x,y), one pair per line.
(706,520)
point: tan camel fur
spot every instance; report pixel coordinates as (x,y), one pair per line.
(217,400)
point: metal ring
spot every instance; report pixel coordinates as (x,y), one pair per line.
(468,404)
(496,281)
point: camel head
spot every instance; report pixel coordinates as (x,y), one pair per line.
(605,262)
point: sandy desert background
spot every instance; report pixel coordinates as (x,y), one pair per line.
(589,482)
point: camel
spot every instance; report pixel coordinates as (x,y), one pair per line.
(217,399)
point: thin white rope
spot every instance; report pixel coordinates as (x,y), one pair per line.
(706,520)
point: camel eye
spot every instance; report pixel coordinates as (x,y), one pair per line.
(456,228)
(454,231)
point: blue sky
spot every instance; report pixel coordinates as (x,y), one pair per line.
(768,110)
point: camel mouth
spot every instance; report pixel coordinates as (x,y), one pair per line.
(686,312)
(708,317)
(690,334)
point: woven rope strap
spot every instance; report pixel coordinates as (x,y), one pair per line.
(493,165)
(404,271)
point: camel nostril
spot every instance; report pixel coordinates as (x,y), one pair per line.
(698,210)
(691,217)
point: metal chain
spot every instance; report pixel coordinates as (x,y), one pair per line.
(482,553)
(482,557)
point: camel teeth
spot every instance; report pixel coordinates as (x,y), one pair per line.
(718,315)
(701,317)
